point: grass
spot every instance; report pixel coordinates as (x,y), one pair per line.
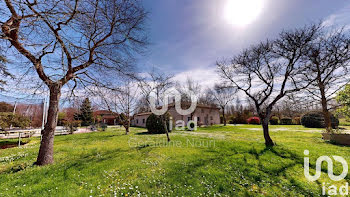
(344,122)
(217,160)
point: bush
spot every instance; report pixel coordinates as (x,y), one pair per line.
(253,120)
(72,125)
(240,117)
(154,124)
(16,120)
(238,120)
(286,121)
(315,119)
(274,120)
(103,126)
(296,120)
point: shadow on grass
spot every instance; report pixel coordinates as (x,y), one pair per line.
(334,143)
(10,144)
(236,173)
(148,133)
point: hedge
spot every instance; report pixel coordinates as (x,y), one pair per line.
(315,119)
(253,120)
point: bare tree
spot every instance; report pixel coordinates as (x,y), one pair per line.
(77,41)
(124,101)
(186,90)
(269,71)
(189,86)
(223,97)
(142,105)
(157,83)
(4,71)
(328,58)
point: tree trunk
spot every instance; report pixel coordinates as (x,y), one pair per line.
(45,155)
(223,116)
(127,127)
(326,114)
(265,125)
(165,127)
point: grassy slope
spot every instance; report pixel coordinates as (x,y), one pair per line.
(228,160)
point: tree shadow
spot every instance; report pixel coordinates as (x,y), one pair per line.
(148,133)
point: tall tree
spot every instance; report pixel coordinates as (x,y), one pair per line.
(343,98)
(328,58)
(85,113)
(269,71)
(187,90)
(157,83)
(123,100)
(223,96)
(73,43)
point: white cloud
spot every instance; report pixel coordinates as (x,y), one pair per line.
(342,17)
(206,77)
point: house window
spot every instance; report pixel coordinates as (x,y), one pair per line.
(137,121)
(211,117)
(188,118)
(202,110)
(143,120)
(198,119)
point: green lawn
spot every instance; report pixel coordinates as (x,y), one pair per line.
(226,161)
(344,122)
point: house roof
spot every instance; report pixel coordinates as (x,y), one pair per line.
(143,114)
(187,104)
(105,113)
(110,116)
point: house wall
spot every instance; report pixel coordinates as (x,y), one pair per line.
(140,121)
(109,121)
(207,116)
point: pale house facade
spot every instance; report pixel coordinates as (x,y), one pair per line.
(203,115)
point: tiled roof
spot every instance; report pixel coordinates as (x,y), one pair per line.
(144,113)
(184,104)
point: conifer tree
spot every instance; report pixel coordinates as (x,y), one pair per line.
(85,113)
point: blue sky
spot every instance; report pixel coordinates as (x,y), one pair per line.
(187,37)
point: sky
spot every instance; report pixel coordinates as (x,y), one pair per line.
(187,37)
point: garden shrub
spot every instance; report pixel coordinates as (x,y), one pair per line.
(238,120)
(315,119)
(103,126)
(253,120)
(154,124)
(240,117)
(274,120)
(296,120)
(16,120)
(286,121)
(72,125)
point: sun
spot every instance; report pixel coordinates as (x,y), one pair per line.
(242,12)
